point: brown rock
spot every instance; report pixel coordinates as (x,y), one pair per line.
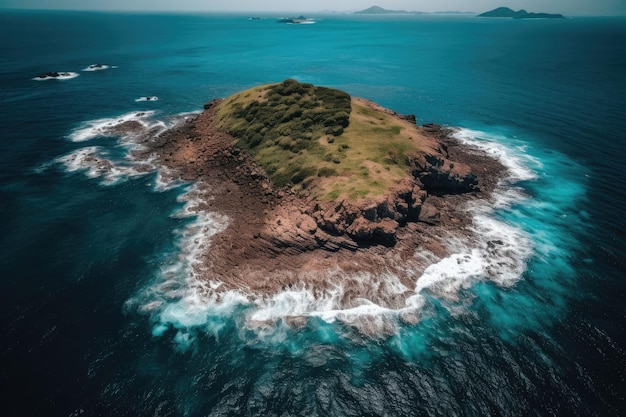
(429,214)
(431,127)
(307,223)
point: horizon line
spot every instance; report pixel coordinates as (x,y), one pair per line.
(254,12)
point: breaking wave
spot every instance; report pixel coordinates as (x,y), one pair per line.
(134,122)
(95,163)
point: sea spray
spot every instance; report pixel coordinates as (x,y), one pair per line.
(94,162)
(180,297)
(125,157)
(110,126)
(543,204)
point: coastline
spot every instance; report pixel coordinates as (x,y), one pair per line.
(273,242)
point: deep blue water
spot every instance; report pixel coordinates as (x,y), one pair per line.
(82,254)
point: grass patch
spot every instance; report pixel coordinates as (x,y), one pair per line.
(320,139)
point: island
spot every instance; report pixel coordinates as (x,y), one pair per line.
(520,14)
(96,67)
(319,186)
(376,10)
(55,75)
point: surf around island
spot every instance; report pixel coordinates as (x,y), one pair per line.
(306,189)
(306,202)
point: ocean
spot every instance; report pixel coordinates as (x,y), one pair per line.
(102,316)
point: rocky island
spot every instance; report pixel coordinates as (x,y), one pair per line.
(377,10)
(313,180)
(55,75)
(520,14)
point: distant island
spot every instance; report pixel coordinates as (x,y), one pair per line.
(380,10)
(314,181)
(520,14)
(377,10)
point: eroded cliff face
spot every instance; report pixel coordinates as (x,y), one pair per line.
(376,220)
(350,224)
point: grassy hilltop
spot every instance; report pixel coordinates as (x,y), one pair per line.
(320,140)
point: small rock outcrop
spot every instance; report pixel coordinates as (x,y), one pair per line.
(374,220)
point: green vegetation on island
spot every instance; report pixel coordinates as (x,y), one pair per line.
(320,140)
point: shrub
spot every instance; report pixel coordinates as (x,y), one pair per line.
(292,117)
(285,142)
(255,140)
(335,130)
(256,127)
(326,172)
(302,174)
(299,145)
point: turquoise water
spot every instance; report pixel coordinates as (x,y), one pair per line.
(101,314)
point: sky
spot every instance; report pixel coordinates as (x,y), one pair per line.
(566,7)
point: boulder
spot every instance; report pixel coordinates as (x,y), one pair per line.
(380,232)
(430,215)
(439,175)
(408,117)
(431,127)
(212,103)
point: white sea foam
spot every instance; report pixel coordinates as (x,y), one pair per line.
(61,75)
(518,163)
(106,126)
(166,180)
(132,131)
(498,254)
(97,162)
(94,163)
(182,296)
(147,98)
(499,251)
(97,67)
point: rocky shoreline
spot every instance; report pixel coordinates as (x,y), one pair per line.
(278,239)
